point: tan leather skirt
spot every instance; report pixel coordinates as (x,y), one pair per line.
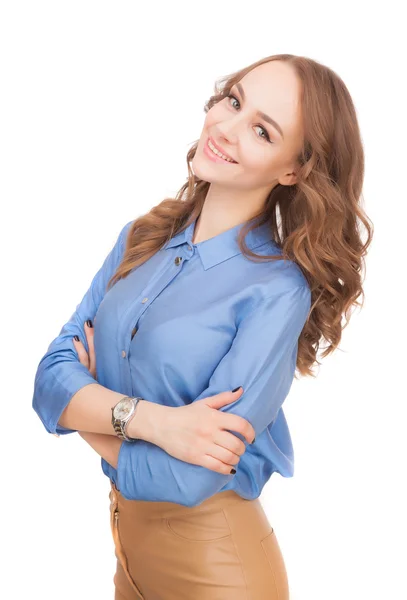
(223,549)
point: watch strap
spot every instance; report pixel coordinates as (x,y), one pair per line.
(119,425)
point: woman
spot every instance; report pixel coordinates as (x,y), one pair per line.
(204,308)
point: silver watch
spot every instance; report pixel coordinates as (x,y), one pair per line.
(122,413)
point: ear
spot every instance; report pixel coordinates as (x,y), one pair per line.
(288,179)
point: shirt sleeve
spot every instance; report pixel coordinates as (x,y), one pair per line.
(60,374)
(262,359)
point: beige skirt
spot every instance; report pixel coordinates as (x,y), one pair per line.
(223,549)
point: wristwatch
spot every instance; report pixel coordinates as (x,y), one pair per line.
(122,413)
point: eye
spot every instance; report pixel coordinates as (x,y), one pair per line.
(266,135)
(233,97)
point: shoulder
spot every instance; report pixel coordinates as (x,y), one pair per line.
(124,232)
(280,276)
(127,226)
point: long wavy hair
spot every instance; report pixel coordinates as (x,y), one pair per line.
(315,222)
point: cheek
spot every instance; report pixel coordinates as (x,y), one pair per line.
(255,158)
(260,167)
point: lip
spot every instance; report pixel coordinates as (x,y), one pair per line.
(213,156)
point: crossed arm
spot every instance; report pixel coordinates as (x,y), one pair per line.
(93,423)
(89,411)
(262,359)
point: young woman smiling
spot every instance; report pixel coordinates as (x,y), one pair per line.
(175,365)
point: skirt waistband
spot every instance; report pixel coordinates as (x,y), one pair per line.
(164,509)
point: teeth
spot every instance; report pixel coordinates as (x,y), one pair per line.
(215,151)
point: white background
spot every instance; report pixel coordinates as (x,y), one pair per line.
(100,102)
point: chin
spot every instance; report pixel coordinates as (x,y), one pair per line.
(201,169)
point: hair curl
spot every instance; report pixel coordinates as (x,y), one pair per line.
(319,216)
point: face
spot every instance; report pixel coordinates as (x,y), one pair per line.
(264,151)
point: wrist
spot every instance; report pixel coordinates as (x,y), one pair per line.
(147,421)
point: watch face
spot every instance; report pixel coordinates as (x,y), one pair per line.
(123,408)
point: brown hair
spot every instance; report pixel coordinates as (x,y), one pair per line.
(319,215)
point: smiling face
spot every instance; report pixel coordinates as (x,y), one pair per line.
(259,125)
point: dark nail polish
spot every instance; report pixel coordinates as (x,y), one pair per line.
(89,323)
(254,439)
(238,388)
(233,471)
(76,337)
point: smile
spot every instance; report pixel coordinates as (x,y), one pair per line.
(212,152)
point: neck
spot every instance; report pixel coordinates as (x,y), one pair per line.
(222,211)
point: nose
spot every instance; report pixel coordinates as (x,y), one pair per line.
(227,132)
(227,136)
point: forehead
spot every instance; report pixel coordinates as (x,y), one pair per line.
(274,88)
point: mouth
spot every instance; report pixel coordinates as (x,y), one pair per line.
(215,154)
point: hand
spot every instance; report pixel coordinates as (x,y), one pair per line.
(196,433)
(88,360)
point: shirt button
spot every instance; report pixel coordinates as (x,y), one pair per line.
(123,353)
(133,332)
(189,248)
(178,260)
(144,300)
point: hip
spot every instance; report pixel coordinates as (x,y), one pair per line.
(224,547)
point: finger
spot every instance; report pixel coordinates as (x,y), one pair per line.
(230,442)
(209,462)
(237,423)
(223,455)
(82,354)
(90,332)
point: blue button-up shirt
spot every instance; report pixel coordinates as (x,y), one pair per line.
(192,321)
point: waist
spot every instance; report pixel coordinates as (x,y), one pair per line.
(161,509)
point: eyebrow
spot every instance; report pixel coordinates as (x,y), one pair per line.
(262,114)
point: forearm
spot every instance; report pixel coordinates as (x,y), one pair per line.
(90,410)
(107,446)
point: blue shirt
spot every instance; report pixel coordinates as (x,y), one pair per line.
(192,321)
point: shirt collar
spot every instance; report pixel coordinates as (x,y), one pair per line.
(222,246)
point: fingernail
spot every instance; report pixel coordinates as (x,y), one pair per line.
(76,337)
(238,388)
(89,323)
(233,471)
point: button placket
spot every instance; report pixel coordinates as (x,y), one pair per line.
(132,315)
